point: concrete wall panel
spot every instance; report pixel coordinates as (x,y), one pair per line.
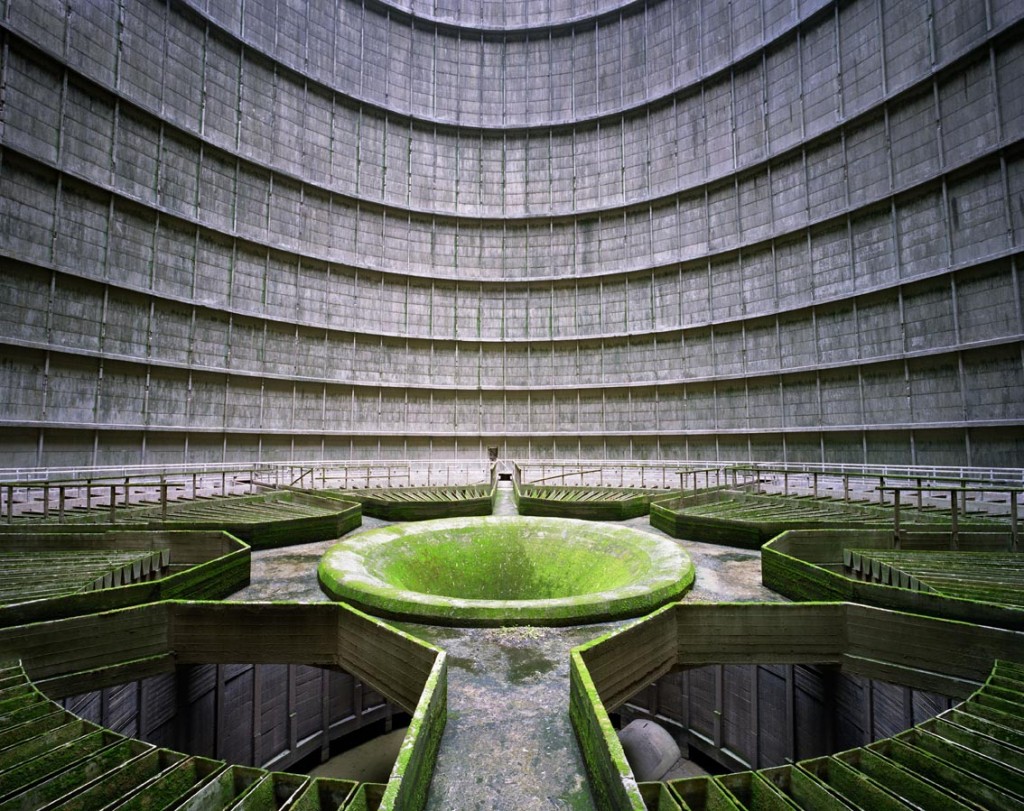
(330,222)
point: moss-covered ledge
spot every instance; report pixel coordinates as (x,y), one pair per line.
(739,518)
(199,565)
(126,644)
(506,571)
(809,565)
(606,671)
(420,503)
(588,503)
(611,778)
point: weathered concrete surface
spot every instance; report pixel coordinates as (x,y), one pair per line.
(421,243)
(290,573)
(508,743)
(723,573)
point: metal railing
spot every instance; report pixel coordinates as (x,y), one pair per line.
(104,493)
(63,492)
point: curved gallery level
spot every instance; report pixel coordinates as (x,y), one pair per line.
(647,230)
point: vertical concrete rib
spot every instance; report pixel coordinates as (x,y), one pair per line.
(583,226)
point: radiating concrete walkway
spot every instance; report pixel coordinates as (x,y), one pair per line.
(508,742)
(504,503)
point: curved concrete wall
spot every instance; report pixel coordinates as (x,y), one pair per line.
(644,229)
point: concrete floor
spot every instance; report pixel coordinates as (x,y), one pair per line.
(508,742)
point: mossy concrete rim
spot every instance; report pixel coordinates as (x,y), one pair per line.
(649,571)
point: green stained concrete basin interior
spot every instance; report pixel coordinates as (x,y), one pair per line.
(505,570)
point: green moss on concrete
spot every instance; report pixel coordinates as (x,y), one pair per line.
(422,503)
(368,797)
(220,569)
(66,754)
(173,784)
(506,571)
(748,520)
(264,521)
(410,777)
(939,764)
(587,503)
(325,794)
(807,565)
(611,778)
(657,797)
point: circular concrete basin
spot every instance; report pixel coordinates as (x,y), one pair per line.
(505,571)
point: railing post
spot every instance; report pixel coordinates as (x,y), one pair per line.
(163,498)
(1014,537)
(113,503)
(897,538)
(954,533)
(61,492)
(10,504)
(846,487)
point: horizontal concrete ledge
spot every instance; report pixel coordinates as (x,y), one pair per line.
(835,126)
(696,382)
(372,432)
(938,652)
(547,284)
(416,14)
(953,658)
(85,652)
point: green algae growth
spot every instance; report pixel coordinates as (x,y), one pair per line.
(506,571)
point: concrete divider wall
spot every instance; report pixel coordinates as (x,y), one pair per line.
(931,654)
(611,780)
(616,671)
(808,565)
(203,565)
(70,656)
(746,633)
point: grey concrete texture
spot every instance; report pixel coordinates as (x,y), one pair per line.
(649,748)
(783,230)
